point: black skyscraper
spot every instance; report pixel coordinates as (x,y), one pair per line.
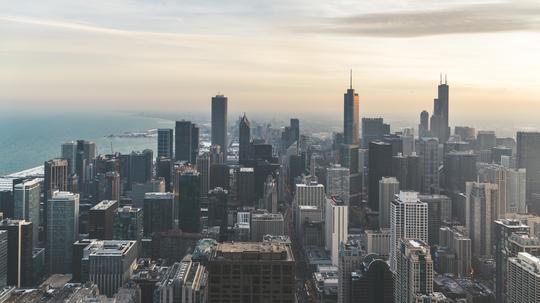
(141,166)
(186,141)
(295,130)
(373,129)
(373,282)
(351,113)
(244,139)
(219,122)
(380,165)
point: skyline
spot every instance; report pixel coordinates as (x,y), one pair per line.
(164,56)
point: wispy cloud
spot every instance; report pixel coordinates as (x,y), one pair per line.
(475,18)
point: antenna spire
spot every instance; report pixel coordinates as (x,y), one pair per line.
(440,78)
(350,80)
(445,79)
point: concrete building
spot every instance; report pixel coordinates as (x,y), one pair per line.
(408,220)
(378,242)
(414,271)
(482,199)
(111,263)
(227,283)
(388,189)
(203,167)
(457,255)
(351,255)
(62,230)
(503,230)
(265,223)
(336,226)
(523,279)
(183,282)
(311,193)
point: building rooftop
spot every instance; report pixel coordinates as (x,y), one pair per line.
(105,204)
(157,195)
(109,247)
(64,195)
(253,251)
(247,169)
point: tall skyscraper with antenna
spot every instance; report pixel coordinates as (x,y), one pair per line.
(219,122)
(351,114)
(439,120)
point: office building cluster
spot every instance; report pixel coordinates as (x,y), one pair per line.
(253,212)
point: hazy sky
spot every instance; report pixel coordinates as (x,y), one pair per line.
(270,55)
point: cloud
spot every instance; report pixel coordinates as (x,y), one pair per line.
(468,19)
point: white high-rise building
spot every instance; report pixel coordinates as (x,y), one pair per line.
(388,188)
(311,193)
(62,230)
(351,256)
(523,279)
(414,272)
(336,226)
(481,211)
(337,182)
(408,220)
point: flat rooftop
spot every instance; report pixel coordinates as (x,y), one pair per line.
(248,251)
(105,204)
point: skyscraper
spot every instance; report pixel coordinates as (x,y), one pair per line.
(111,263)
(256,284)
(503,229)
(459,167)
(19,259)
(56,176)
(186,141)
(373,129)
(414,271)
(439,120)
(336,226)
(423,127)
(351,116)
(350,258)
(219,122)
(380,165)
(62,230)
(244,152)
(26,196)
(337,182)
(128,223)
(408,220)
(480,208)
(523,279)
(187,185)
(3,257)
(165,142)
(245,177)
(528,157)
(101,220)
(159,213)
(69,152)
(388,188)
(429,165)
(141,164)
(203,167)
